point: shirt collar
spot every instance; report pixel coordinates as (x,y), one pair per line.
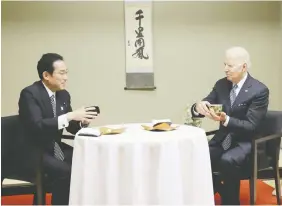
(50,93)
(242,81)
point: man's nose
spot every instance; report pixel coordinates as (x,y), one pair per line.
(65,77)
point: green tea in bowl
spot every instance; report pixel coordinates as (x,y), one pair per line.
(217,108)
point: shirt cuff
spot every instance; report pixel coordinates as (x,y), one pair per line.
(63,121)
(194,111)
(83,125)
(226,121)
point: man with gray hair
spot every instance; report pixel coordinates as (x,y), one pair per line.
(245,102)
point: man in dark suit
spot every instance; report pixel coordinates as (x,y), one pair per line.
(44,111)
(245,103)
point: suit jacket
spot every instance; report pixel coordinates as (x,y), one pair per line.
(39,126)
(246,114)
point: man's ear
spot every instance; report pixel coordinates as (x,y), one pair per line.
(46,75)
(244,67)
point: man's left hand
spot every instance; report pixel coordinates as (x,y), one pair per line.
(221,117)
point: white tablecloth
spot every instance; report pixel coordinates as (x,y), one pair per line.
(142,167)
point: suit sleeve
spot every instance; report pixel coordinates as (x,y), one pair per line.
(31,115)
(74,126)
(211,98)
(256,112)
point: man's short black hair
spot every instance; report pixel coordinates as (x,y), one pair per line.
(46,63)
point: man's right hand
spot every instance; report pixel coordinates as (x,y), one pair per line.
(201,107)
(82,114)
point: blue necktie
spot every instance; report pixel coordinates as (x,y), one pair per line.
(228,139)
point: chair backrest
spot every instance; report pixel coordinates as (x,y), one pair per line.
(10,128)
(272,124)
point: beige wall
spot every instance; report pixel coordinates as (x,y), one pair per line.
(189,43)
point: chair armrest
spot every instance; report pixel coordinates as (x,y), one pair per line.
(211,132)
(68,137)
(266,138)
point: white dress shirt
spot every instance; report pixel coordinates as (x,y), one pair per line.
(237,90)
(62,119)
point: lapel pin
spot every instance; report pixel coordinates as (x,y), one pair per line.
(246,90)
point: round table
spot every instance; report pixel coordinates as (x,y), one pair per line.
(142,167)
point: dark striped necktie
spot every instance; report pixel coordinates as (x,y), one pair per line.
(58,153)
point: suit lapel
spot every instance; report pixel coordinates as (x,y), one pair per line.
(227,89)
(60,103)
(59,106)
(243,93)
(45,99)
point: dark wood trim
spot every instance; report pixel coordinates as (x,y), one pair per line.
(141,88)
(211,132)
(17,189)
(20,189)
(65,136)
(269,137)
